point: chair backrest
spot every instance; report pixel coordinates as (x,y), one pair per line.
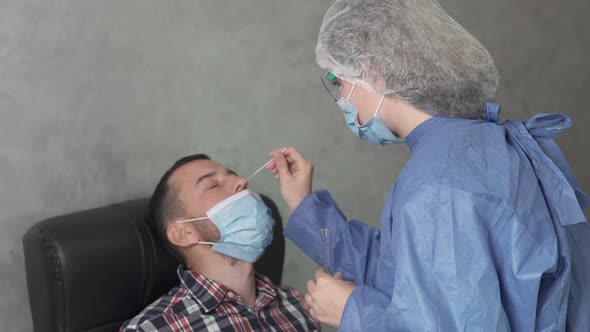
(92,270)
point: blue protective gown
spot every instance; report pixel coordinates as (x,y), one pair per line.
(482,231)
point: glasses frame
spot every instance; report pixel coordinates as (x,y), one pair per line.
(333,87)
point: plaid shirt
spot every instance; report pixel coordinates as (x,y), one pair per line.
(201,304)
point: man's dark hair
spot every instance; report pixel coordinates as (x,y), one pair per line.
(165,205)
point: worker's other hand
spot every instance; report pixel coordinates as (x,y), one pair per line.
(326,297)
(294,173)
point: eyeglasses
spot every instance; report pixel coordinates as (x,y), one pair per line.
(332,85)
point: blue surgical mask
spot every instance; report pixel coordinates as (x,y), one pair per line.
(245,224)
(374,131)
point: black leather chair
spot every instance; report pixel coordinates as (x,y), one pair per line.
(92,270)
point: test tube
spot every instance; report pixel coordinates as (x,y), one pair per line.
(326,248)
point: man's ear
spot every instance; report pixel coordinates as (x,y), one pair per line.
(183,235)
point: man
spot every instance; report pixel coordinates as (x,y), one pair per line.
(219,289)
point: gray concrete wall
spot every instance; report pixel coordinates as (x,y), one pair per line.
(97,98)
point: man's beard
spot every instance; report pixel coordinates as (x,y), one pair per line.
(210,233)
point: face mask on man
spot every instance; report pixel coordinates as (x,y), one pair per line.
(245,224)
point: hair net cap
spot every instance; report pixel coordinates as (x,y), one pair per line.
(411,49)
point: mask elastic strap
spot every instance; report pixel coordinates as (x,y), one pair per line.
(189,220)
(351,90)
(379,107)
(211,243)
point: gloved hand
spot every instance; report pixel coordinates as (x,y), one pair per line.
(327,296)
(294,173)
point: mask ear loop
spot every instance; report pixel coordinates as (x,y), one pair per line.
(189,220)
(195,219)
(351,90)
(379,107)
